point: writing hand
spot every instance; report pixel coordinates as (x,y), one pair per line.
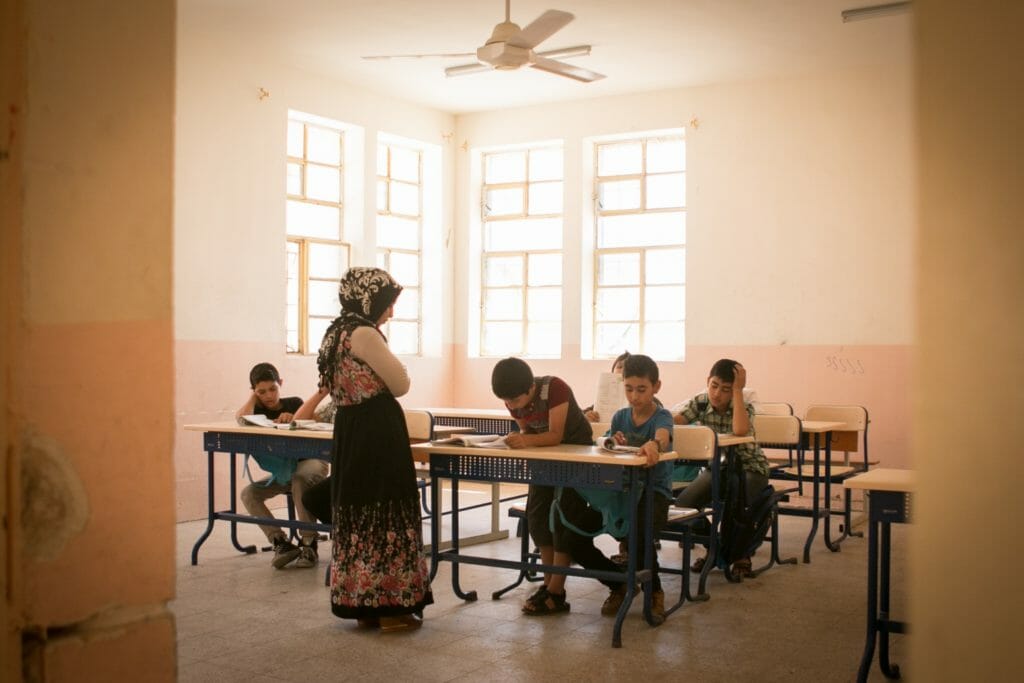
(620,438)
(284,417)
(515,440)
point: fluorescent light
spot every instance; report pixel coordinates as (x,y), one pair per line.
(875,11)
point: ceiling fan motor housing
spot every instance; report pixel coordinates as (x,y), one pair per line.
(503,56)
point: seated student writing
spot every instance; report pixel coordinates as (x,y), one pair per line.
(266,400)
(547,414)
(647,425)
(723,409)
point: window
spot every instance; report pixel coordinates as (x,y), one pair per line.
(521,276)
(640,247)
(316,255)
(400,238)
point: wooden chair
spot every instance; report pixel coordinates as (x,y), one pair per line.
(852,439)
(420,424)
(777,432)
(770,408)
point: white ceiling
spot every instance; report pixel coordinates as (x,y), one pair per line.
(639,45)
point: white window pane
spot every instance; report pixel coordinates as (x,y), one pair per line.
(323,145)
(292,333)
(327,261)
(405,164)
(545,198)
(502,339)
(665,341)
(313,220)
(405,268)
(405,199)
(640,230)
(316,328)
(611,338)
(382,195)
(625,158)
(503,202)
(382,261)
(503,304)
(323,298)
(665,266)
(619,303)
(546,164)
(501,271)
(323,183)
(382,160)
(666,155)
(506,167)
(545,269)
(294,179)
(665,303)
(618,269)
(403,337)
(400,233)
(544,339)
(544,304)
(295,133)
(619,194)
(666,191)
(407,305)
(537,233)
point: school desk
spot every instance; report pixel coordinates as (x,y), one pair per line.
(233,439)
(482,420)
(888,492)
(563,465)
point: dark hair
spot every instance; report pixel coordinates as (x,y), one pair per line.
(621,358)
(511,377)
(639,365)
(263,372)
(725,370)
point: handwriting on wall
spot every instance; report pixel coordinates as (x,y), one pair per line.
(851,366)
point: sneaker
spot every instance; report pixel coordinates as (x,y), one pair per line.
(614,601)
(308,556)
(284,552)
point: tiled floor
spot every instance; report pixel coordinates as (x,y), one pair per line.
(238,619)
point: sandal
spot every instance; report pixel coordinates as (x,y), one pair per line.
(741,568)
(536,598)
(698,564)
(549,603)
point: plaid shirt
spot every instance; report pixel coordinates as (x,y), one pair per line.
(698,410)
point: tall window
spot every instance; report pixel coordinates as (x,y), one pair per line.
(521,278)
(640,255)
(316,255)
(400,238)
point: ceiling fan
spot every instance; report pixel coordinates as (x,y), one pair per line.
(511,47)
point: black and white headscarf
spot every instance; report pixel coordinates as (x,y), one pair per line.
(365,293)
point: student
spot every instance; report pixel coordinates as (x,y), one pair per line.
(723,409)
(317,498)
(647,425)
(266,400)
(547,414)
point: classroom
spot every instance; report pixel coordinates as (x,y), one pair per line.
(842,223)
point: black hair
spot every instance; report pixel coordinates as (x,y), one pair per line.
(511,377)
(263,372)
(725,370)
(639,365)
(621,358)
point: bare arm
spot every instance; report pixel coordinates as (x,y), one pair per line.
(552,437)
(740,419)
(247,408)
(370,346)
(655,447)
(308,409)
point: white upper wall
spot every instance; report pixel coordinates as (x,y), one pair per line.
(800,202)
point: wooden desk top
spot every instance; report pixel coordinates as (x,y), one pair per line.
(884,479)
(487,413)
(733,440)
(820,426)
(235,428)
(562,452)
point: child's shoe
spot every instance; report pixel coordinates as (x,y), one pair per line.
(284,552)
(308,556)
(614,601)
(658,606)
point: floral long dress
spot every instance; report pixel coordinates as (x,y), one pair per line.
(377,564)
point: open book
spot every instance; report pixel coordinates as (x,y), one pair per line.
(607,443)
(478,440)
(263,421)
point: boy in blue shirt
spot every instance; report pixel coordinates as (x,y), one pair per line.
(648,426)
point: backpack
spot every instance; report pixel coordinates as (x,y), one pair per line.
(745,520)
(613,506)
(279,467)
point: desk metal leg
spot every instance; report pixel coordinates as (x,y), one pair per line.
(829,543)
(815,500)
(890,670)
(465,595)
(211,515)
(435,523)
(872,630)
(233,509)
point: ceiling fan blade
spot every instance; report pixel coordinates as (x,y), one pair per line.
(540,29)
(463,69)
(568,70)
(422,56)
(574,51)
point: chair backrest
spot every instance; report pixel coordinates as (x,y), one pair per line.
(777,430)
(420,424)
(694,442)
(770,408)
(856,420)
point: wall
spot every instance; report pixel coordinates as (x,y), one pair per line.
(88,318)
(971,323)
(229,228)
(799,228)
